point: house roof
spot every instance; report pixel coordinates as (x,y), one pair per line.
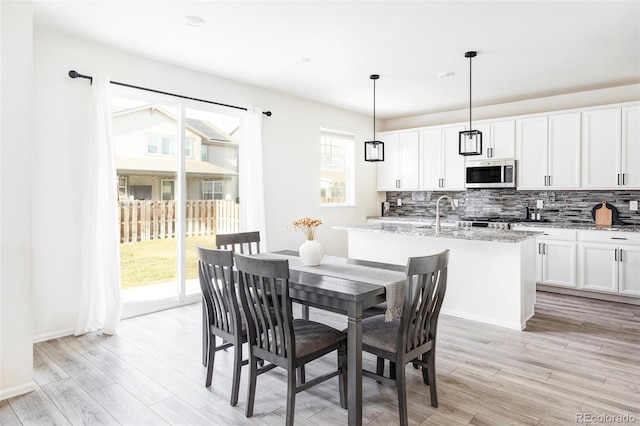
(167,165)
(208,131)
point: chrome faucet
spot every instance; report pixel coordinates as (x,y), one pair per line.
(453,207)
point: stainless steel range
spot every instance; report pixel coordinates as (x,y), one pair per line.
(493,222)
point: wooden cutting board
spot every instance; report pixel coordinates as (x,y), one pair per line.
(603,215)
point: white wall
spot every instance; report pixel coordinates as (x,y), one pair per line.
(610,95)
(16,136)
(291,151)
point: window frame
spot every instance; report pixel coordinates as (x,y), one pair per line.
(348,137)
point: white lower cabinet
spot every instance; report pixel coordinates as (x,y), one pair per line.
(597,261)
(610,262)
(557,262)
(556,258)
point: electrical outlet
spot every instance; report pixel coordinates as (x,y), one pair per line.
(539,204)
(399,202)
(633,206)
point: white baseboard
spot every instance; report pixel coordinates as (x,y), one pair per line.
(17,390)
(53,335)
(485,320)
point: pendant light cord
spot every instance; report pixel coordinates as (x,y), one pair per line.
(374,109)
(470,60)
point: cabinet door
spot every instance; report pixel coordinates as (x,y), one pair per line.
(629,270)
(531,152)
(409,161)
(452,161)
(631,147)
(563,162)
(503,139)
(599,267)
(389,169)
(431,153)
(559,263)
(601,144)
(485,128)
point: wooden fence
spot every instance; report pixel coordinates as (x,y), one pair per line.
(150,220)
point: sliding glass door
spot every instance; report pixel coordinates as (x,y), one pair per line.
(177,168)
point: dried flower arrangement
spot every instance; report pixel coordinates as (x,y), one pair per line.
(308,226)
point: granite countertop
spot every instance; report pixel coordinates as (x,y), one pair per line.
(446,231)
(529,224)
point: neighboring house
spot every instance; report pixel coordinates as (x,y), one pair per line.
(146,161)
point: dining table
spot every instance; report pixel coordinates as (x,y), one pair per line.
(348,294)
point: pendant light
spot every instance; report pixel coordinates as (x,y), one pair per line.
(374,149)
(470,141)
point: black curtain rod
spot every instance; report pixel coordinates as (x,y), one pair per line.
(75,74)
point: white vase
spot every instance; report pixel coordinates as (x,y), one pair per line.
(311,253)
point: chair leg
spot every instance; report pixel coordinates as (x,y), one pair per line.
(237,368)
(291,397)
(392,370)
(205,335)
(211,356)
(342,378)
(379,367)
(402,392)
(431,365)
(251,389)
(425,370)
(302,377)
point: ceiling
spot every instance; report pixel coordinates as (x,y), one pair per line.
(526,49)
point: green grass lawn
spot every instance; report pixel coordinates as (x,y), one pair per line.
(154,261)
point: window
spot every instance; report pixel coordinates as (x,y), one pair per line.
(336,167)
(122,187)
(169,146)
(212,190)
(152,145)
(204,153)
(168,189)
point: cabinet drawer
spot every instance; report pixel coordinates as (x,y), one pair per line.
(558,234)
(613,237)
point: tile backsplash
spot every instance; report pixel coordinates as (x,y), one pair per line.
(571,207)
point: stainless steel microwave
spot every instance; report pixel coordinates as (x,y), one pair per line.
(490,173)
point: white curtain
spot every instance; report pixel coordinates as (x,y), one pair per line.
(100,300)
(252,216)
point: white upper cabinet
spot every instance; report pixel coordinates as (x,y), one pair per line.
(399,170)
(548,152)
(441,167)
(498,139)
(630,161)
(611,148)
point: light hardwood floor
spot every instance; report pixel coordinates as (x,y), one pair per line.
(578,357)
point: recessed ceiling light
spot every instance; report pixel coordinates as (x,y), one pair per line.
(302,60)
(194,21)
(446,74)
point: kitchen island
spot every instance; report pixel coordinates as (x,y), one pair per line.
(491,275)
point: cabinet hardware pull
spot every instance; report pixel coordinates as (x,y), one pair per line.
(620,255)
(624,175)
(618,238)
(539,248)
(615,255)
(618,178)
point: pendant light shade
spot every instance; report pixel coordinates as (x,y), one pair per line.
(374,149)
(470,141)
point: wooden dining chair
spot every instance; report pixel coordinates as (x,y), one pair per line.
(223,314)
(277,338)
(242,242)
(412,338)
